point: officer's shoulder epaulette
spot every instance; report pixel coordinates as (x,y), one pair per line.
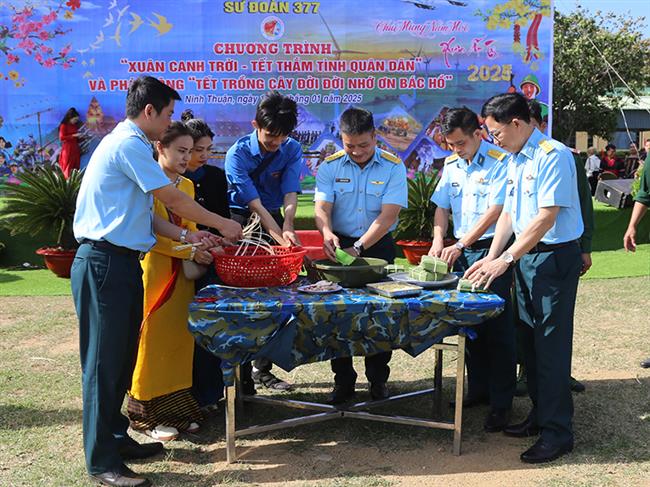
(451,158)
(546,145)
(390,157)
(336,155)
(496,154)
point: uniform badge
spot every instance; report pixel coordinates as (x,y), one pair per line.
(509,181)
(546,146)
(455,185)
(376,182)
(342,180)
(481,159)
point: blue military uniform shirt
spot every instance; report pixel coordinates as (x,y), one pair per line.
(541,175)
(470,189)
(115,201)
(356,194)
(282,176)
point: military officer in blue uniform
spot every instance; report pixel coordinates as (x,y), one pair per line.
(472,187)
(359,194)
(542,209)
(114,225)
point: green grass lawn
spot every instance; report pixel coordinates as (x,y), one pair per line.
(36,282)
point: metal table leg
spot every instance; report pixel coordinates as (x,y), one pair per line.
(460,385)
(231,396)
(238,387)
(437,384)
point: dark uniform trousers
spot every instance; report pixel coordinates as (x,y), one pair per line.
(546,287)
(108,295)
(241,216)
(491,356)
(377,369)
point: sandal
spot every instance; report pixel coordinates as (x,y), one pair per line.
(162,433)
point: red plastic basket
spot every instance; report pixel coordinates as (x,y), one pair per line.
(261,269)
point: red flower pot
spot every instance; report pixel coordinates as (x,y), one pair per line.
(58,260)
(414,249)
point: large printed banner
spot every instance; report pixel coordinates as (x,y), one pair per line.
(408,61)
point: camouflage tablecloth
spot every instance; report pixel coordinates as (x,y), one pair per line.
(292,328)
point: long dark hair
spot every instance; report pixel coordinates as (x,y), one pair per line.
(70,114)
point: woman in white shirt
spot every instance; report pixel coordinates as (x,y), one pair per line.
(592,166)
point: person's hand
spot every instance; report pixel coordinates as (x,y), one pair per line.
(291,238)
(476,267)
(330,244)
(203,237)
(436,247)
(586,263)
(629,239)
(488,272)
(203,257)
(450,254)
(231,230)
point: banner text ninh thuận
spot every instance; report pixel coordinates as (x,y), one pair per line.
(407,61)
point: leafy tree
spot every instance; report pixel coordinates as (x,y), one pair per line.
(586,91)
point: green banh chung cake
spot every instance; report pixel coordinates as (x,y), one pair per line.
(466,286)
(434,264)
(422,275)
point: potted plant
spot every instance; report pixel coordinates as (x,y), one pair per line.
(45,202)
(415,228)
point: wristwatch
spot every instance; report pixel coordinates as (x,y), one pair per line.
(183,237)
(358,247)
(459,245)
(508,258)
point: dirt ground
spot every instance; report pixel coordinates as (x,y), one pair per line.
(40,406)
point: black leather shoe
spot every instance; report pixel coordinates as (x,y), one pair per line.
(378,391)
(496,420)
(125,477)
(543,451)
(646,363)
(522,430)
(576,385)
(341,394)
(270,381)
(471,401)
(134,450)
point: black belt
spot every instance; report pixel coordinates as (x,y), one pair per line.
(480,244)
(542,247)
(103,244)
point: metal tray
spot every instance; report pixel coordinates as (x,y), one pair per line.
(378,287)
(448,281)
